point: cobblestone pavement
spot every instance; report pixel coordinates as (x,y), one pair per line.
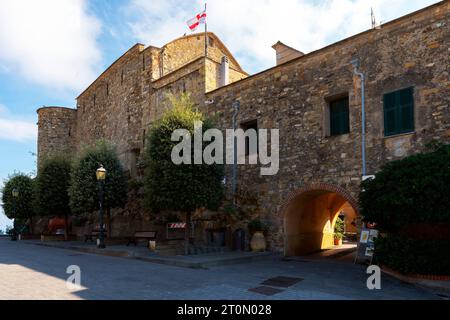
(35,272)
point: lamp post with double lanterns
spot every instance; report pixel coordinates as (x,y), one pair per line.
(15,195)
(101,177)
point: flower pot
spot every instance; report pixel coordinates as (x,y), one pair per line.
(338,242)
(258,242)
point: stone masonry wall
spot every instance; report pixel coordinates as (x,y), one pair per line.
(124,101)
(294,99)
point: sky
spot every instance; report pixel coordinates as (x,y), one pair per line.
(51,50)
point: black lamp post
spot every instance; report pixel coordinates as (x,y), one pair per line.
(101,176)
(15,195)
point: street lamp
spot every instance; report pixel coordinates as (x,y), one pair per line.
(15,195)
(101,176)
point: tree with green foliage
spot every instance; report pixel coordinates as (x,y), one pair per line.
(181,188)
(409,200)
(84,188)
(21,208)
(339,229)
(413,190)
(51,189)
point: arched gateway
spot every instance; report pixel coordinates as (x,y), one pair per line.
(310,214)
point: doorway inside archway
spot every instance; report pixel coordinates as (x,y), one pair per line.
(310,218)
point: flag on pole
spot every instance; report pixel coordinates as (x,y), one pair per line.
(195,22)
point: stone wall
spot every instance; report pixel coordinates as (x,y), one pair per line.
(125,100)
(111,108)
(122,103)
(293,97)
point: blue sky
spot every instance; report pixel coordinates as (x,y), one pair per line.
(50,50)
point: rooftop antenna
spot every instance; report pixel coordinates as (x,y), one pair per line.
(374,21)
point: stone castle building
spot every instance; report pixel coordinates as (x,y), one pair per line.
(314,99)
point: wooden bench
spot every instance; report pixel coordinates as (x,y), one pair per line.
(142,235)
(94,234)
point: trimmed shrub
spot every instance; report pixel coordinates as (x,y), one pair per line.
(21,208)
(52,184)
(183,188)
(84,191)
(413,190)
(409,200)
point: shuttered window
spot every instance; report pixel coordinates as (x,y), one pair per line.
(399,112)
(339,117)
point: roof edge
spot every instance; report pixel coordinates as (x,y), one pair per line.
(111,65)
(312,53)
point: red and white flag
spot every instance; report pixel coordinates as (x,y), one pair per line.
(195,22)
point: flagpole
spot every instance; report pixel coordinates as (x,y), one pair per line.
(206,32)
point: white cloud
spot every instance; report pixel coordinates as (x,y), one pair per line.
(3,109)
(14,129)
(250,27)
(50,42)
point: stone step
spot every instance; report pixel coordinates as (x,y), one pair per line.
(170,248)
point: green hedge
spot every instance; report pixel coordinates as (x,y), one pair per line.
(414,190)
(414,256)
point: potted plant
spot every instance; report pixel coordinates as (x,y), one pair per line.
(258,241)
(338,232)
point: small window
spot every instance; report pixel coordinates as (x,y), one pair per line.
(339,117)
(211,41)
(247,126)
(399,112)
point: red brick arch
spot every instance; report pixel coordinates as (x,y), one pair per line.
(319,187)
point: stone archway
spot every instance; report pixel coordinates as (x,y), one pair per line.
(309,217)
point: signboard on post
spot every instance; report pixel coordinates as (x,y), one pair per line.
(366,244)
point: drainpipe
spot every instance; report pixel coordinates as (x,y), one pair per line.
(236,107)
(356,64)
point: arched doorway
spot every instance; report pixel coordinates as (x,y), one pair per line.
(310,215)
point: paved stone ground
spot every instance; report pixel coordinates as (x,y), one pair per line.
(35,272)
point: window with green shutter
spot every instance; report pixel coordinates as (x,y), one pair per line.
(339,117)
(399,112)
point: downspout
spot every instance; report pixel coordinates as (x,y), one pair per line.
(356,64)
(236,107)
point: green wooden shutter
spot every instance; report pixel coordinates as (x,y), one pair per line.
(390,125)
(398,112)
(406,110)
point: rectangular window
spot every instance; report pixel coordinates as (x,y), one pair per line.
(399,112)
(339,117)
(247,126)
